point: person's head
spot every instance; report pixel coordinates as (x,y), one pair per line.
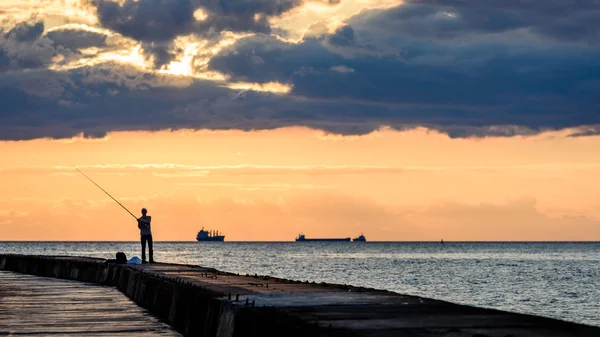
(144,211)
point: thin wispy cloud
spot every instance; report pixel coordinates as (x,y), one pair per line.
(170,170)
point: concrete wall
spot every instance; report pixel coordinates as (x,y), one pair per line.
(191,310)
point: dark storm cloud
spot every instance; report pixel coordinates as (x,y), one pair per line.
(431,74)
(160,50)
(27,47)
(343,36)
(147,20)
(265,58)
(24,47)
(501,73)
(95,101)
(444,19)
(4,61)
(158,22)
(75,39)
(460,88)
(25,32)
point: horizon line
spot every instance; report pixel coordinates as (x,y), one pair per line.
(292,241)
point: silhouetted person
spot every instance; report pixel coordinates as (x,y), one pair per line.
(145,234)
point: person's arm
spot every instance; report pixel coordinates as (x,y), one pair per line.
(145,222)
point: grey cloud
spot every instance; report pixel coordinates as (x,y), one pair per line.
(244,7)
(363,76)
(147,20)
(445,19)
(343,36)
(158,22)
(96,101)
(4,61)
(464,89)
(23,47)
(160,50)
(25,32)
(279,61)
(75,39)
(591,130)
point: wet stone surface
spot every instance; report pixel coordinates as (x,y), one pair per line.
(39,306)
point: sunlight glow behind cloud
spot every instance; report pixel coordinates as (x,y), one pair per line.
(192,53)
(200,14)
(274,87)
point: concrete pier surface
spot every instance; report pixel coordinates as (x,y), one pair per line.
(35,306)
(200,301)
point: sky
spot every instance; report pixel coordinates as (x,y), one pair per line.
(402,120)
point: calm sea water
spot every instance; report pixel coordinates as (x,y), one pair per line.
(559,280)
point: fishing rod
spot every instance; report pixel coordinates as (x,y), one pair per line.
(107,194)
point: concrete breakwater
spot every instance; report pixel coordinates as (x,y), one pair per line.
(199,301)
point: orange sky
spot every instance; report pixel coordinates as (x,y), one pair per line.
(271,185)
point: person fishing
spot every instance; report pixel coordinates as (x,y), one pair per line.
(145,235)
(143,224)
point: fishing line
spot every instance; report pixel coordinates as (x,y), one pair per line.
(107,194)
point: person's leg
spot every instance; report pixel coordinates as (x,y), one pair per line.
(150,248)
(143,239)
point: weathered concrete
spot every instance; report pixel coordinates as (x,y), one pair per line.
(35,306)
(205,302)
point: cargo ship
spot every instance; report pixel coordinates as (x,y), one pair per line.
(204,235)
(302,238)
(361,238)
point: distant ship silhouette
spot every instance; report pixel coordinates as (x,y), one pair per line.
(209,236)
(361,238)
(302,238)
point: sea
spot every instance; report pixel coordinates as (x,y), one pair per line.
(553,279)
